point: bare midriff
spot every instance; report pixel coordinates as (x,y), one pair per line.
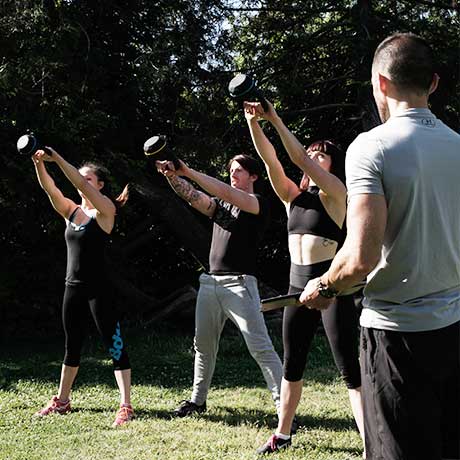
(306,249)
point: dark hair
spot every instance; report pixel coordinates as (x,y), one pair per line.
(409,61)
(335,152)
(250,164)
(103,175)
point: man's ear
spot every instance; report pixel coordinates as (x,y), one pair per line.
(101,183)
(383,83)
(434,84)
(253,177)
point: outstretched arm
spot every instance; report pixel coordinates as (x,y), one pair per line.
(243,200)
(198,200)
(239,198)
(284,187)
(327,182)
(101,202)
(64,206)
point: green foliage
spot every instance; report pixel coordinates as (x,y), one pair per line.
(95,79)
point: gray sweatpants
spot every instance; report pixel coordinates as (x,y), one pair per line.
(235,297)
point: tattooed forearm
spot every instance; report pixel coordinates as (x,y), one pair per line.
(184,189)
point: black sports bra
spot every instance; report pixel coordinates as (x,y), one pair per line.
(307,215)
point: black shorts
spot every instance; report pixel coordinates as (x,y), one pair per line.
(411,393)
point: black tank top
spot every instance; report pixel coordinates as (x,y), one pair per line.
(86,252)
(307,215)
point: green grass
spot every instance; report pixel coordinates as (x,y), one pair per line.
(240,414)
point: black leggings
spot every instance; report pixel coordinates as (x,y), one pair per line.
(75,318)
(340,323)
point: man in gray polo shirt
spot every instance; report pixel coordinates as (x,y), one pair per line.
(404,234)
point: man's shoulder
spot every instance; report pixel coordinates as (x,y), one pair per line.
(366,144)
(374,134)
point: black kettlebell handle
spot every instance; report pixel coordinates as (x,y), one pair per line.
(261,99)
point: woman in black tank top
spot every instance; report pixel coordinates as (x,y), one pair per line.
(87,291)
(316,212)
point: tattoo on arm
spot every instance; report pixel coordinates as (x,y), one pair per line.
(184,189)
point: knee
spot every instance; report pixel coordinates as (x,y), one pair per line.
(351,377)
(293,368)
(72,353)
(72,357)
(262,354)
(122,363)
(205,345)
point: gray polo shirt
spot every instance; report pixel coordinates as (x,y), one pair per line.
(414,161)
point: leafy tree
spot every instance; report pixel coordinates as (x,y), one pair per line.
(95,79)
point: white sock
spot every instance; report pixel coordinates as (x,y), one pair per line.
(282,436)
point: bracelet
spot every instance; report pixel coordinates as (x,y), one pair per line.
(326,292)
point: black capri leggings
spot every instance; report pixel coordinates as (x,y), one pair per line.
(340,323)
(75,318)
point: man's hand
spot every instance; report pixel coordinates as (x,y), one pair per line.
(167,168)
(312,298)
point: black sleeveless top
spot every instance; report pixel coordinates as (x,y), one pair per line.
(307,215)
(235,238)
(86,252)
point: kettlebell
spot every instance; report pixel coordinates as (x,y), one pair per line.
(155,147)
(28,144)
(244,88)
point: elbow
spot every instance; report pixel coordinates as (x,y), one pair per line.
(361,265)
(81,182)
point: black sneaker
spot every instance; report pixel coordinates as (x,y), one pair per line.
(188,408)
(273,445)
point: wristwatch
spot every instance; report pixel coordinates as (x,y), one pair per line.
(326,292)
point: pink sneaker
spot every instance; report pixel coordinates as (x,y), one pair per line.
(55,406)
(124,415)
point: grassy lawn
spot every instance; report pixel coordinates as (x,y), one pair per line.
(240,413)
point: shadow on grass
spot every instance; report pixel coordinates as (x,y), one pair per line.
(263,419)
(160,358)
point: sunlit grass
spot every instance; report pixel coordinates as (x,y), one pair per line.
(240,414)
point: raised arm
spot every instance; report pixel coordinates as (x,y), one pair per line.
(327,182)
(284,187)
(239,198)
(243,200)
(102,203)
(64,206)
(198,200)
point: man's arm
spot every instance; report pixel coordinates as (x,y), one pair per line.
(215,187)
(239,198)
(198,200)
(366,223)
